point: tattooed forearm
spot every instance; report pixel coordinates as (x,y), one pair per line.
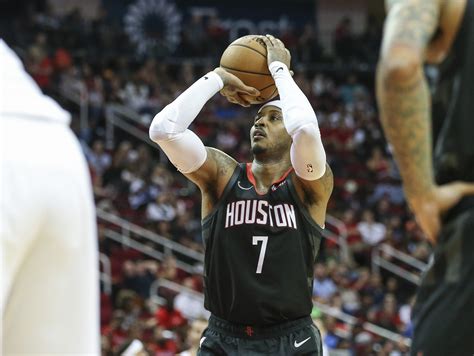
(403,95)
(405,116)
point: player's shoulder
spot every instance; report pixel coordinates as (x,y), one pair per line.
(225,163)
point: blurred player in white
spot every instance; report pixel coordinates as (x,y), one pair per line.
(49,276)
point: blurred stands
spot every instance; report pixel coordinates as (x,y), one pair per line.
(149,215)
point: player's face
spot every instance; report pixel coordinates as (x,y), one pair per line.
(268,131)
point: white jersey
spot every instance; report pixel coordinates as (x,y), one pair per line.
(48,240)
(20,95)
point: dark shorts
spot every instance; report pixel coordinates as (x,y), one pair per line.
(443,315)
(297,337)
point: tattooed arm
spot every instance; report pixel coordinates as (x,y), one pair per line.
(405,109)
(213,177)
(315,194)
(402,92)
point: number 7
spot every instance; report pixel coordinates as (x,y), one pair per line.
(261,257)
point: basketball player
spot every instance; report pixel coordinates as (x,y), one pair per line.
(49,275)
(262,221)
(433,142)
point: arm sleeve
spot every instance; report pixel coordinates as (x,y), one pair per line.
(169,128)
(308,156)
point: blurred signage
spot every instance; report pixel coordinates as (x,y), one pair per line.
(155,25)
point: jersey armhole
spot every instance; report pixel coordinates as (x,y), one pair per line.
(225,193)
(301,206)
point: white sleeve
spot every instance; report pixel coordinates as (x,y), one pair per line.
(169,128)
(308,156)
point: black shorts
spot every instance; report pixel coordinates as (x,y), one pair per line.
(296,337)
(443,315)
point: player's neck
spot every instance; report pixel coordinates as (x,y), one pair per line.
(267,172)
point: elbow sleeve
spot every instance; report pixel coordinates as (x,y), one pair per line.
(307,153)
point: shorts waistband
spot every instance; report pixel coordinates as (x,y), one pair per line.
(256,332)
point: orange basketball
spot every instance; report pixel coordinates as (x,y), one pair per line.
(246,58)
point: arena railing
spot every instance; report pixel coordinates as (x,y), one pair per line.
(335,231)
(380,261)
(325,309)
(370,327)
(106,273)
(129,233)
(120,116)
(79,95)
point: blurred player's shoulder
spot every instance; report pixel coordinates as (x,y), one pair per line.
(21,97)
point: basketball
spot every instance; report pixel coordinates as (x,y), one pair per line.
(246,58)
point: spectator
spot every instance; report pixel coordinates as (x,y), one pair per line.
(323,287)
(99,160)
(194,337)
(168,317)
(39,63)
(188,303)
(377,164)
(163,209)
(135,94)
(344,39)
(387,316)
(372,232)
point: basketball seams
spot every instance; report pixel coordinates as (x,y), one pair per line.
(268,86)
(245,71)
(240,59)
(273,92)
(248,47)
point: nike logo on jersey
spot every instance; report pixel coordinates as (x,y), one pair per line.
(275,187)
(298,344)
(244,188)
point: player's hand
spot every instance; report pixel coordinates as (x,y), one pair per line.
(276,50)
(234,89)
(429,209)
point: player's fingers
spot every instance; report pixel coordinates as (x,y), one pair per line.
(276,41)
(279,42)
(467,188)
(225,93)
(459,189)
(267,41)
(241,101)
(245,89)
(238,86)
(271,39)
